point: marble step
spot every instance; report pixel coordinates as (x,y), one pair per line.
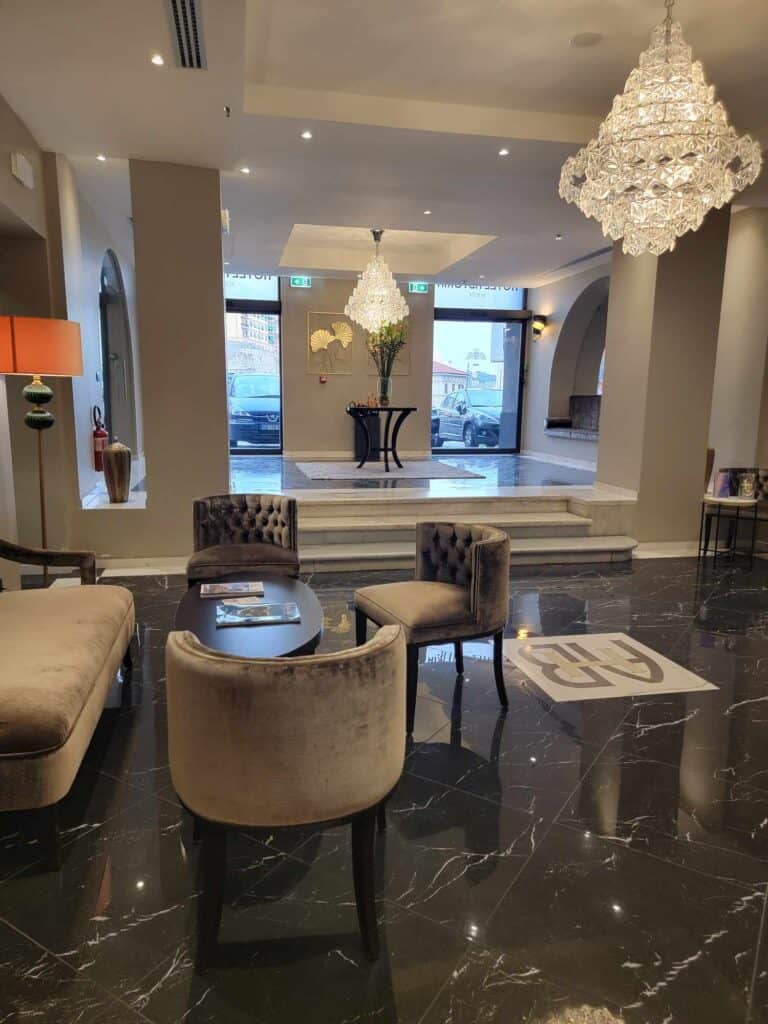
(524,551)
(354,504)
(388,528)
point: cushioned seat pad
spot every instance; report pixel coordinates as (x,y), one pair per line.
(226,559)
(54,645)
(417,605)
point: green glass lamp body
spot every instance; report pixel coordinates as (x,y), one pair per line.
(38,395)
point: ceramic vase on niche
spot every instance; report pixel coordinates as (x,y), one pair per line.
(117,472)
(385,390)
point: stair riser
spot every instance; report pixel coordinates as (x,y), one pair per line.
(348,534)
(442,509)
(373,562)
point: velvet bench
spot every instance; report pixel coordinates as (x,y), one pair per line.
(60,650)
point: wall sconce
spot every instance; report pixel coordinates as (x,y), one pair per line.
(538,323)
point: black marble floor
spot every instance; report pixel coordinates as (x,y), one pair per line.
(594,862)
(255,474)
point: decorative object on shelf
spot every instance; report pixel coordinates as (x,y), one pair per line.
(329,343)
(117,472)
(383,348)
(376,299)
(32,346)
(664,156)
(747,483)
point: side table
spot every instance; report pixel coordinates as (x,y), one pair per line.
(733,511)
(361,414)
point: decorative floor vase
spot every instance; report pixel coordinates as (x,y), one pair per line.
(117,472)
(385,390)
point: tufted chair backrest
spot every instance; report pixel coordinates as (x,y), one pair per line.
(473,557)
(243,519)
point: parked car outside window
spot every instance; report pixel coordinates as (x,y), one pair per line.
(254,409)
(470,416)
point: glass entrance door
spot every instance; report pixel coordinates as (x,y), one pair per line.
(477,385)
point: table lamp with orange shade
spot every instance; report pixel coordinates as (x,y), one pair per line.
(33,347)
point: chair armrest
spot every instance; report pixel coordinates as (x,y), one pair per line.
(85,560)
(489,591)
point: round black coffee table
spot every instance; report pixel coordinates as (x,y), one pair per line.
(198,615)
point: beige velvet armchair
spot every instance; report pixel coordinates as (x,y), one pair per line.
(285,742)
(461,592)
(243,533)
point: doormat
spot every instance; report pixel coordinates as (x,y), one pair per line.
(598,665)
(424,470)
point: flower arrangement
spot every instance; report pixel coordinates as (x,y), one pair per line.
(385,344)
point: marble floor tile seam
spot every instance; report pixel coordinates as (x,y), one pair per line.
(72,972)
(630,848)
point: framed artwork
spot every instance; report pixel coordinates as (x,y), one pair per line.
(330,343)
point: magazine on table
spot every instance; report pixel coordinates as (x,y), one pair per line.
(247,611)
(237,588)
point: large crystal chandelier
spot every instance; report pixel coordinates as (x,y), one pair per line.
(664,156)
(376,299)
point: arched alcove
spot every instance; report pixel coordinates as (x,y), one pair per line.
(117,354)
(576,362)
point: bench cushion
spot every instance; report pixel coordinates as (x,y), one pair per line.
(56,646)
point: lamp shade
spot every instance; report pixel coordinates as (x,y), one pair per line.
(34,345)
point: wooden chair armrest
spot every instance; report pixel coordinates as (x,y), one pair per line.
(84,560)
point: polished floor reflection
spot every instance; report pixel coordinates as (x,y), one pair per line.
(593,862)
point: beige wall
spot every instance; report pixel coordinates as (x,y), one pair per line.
(741,364)
(663,317)
(21,208)
(555,301)
(315,423)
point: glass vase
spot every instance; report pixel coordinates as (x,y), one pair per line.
(385,390)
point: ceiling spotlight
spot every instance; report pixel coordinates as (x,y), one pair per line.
(481,277)
(558,237)
(427,213)
(157,60)
(245,170)
(586,39)
(140,884)
(504,151)
(306,135)
(101,157)
(616,908)
(226,263)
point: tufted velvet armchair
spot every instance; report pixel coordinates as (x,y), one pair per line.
(461,592)
(242,533)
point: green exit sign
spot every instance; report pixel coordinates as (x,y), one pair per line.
(301,282)
(418,287)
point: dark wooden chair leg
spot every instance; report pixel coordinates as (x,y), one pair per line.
(213,867)
(361,627)
(126,678)
(197,829)
(459,655)
(363,847)
(498,671)
(50,838)
(381,816)
(412,678)
(128,659)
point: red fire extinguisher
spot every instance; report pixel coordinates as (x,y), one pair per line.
(100,438)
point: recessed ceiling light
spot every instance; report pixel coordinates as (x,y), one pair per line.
(245,170)
(504,151)
(101,157)
(558,237)
(157,60)
(481,277)
(584,39)
(306,135)
(226,263)
(427,213)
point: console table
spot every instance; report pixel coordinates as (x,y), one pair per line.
(361,414)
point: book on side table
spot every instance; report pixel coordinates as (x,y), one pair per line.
(246,611)
(242,588)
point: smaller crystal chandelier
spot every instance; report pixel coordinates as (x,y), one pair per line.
(664,156)
(376,299)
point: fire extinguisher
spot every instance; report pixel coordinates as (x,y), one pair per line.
(100,438)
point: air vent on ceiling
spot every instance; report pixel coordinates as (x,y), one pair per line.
(187,31)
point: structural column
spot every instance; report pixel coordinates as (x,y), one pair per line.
(180,314)
(661,345)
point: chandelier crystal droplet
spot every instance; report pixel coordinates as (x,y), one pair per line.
(376,299)
(664,156)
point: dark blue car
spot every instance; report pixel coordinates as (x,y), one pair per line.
(254,409)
